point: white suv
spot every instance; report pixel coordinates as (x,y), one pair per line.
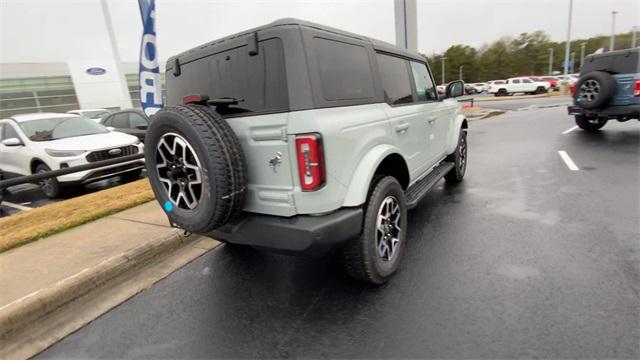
(36,143)
(94,114)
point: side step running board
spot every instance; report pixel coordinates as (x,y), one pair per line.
(417,191)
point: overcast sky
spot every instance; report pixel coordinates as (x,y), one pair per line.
(57,31)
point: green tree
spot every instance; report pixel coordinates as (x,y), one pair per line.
(526,54)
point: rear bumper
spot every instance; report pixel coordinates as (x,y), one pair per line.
(623,112)
(302,234)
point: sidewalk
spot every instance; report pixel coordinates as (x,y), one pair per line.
(40,277)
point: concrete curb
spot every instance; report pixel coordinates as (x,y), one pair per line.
(503,98)
(45,301)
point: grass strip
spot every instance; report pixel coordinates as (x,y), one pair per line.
(28,226)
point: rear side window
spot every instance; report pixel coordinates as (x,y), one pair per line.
(345,71)
(258,82)
(136,120)
(120,121)
(395,79)
(424,84)
(516,81)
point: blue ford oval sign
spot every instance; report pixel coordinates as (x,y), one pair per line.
(96,71)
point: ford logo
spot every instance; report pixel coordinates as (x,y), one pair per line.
(115,152)
(96,71)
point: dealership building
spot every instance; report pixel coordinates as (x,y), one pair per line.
(60,87)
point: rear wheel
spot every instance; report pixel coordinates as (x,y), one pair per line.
(375,255)
(540,90)
(501,92)
(589,124)
(50,187)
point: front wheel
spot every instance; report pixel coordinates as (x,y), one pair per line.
(459,159)
(589,124)
(375,255)
(50,187)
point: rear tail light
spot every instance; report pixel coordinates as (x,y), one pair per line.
(572,89)
(636,89)
(195,99)
(310,161)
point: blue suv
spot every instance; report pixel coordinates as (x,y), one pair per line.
(608,88)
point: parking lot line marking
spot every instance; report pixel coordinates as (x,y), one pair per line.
(16,206)
(567,160)
(569,130)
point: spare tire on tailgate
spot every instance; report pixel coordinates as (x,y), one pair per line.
(594,90)
(196,167)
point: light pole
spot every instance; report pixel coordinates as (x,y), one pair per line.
(125,100)
(634,30)
(582,54)
(442,59)
(550,60)
(613,30)
(460,72)
(567,48)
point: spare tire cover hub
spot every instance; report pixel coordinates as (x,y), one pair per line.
(589,90)
(179,171)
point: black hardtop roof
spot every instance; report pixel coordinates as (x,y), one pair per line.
(377,44)
(615,53)
(618,61)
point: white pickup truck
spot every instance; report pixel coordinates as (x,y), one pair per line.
(519,85)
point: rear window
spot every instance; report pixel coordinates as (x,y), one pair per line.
(345,71)
(257,82)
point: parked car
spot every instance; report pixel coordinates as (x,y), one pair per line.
(37,143)
(469,90)
(133,122)
(479,88)
(608,88)
(331,157)
(93,114)
(552,81)
(519,85)
(495,82)
(569,79)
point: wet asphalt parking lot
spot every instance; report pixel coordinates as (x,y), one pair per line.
(525,258)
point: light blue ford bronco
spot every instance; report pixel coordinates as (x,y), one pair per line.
(608,88)
(300,138)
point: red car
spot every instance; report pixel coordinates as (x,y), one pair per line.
(551,80)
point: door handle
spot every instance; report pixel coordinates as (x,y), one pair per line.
(402,128)
(431,120)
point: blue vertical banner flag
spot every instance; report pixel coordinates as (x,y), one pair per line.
(149,74)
